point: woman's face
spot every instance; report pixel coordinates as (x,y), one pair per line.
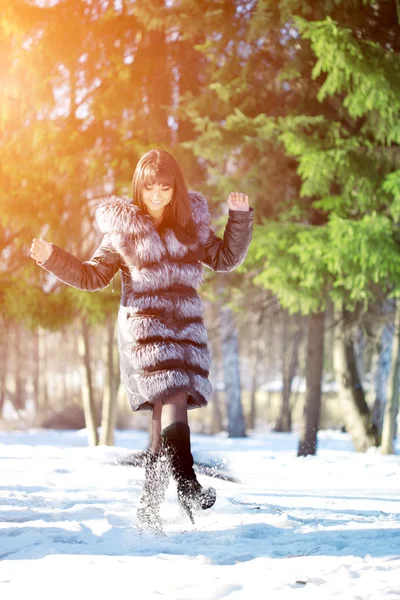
(156,197)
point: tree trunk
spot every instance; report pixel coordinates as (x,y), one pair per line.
(4,351)
(270,341)
(284,422)
(65,395)
(392,402)
(41,395)
(356,418)
(216,415)
(314,370)
(290,364)
(17,398)
(253,390)
(381,375)
(41,372)
(356,386)
(87,385)
(256,356)
(65,391)
(230,361)
(35,373)
(109,398)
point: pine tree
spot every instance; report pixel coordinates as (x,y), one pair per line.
(89,87)
(310,126)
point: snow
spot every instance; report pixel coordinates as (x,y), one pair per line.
(317,527)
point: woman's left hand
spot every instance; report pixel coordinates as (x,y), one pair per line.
(238,201)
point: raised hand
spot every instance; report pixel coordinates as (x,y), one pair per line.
(40,250)
(238,201)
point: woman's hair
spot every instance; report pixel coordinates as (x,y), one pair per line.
(160,167)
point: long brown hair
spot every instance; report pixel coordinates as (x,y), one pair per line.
(160,167)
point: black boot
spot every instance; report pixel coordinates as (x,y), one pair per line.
(155,484)
(191,495)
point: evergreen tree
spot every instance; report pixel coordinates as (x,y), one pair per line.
(310,125)
(89,87)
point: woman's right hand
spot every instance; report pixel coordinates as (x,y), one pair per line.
(40,250)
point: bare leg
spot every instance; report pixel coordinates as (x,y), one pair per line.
(174,409)
(155,442)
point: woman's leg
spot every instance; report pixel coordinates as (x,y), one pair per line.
(174,408)
(155,441)
(176,439)
(156,477)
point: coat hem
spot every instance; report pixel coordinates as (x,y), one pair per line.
(195,399)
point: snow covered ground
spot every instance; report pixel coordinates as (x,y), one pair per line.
(317,527)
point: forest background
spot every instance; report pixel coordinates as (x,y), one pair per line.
(294,102)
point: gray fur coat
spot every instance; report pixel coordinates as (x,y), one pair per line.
(162,339)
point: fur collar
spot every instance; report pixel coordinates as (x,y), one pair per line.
(135,235)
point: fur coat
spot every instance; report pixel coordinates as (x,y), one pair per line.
(162,340)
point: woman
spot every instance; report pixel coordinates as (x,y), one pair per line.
(160,242)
